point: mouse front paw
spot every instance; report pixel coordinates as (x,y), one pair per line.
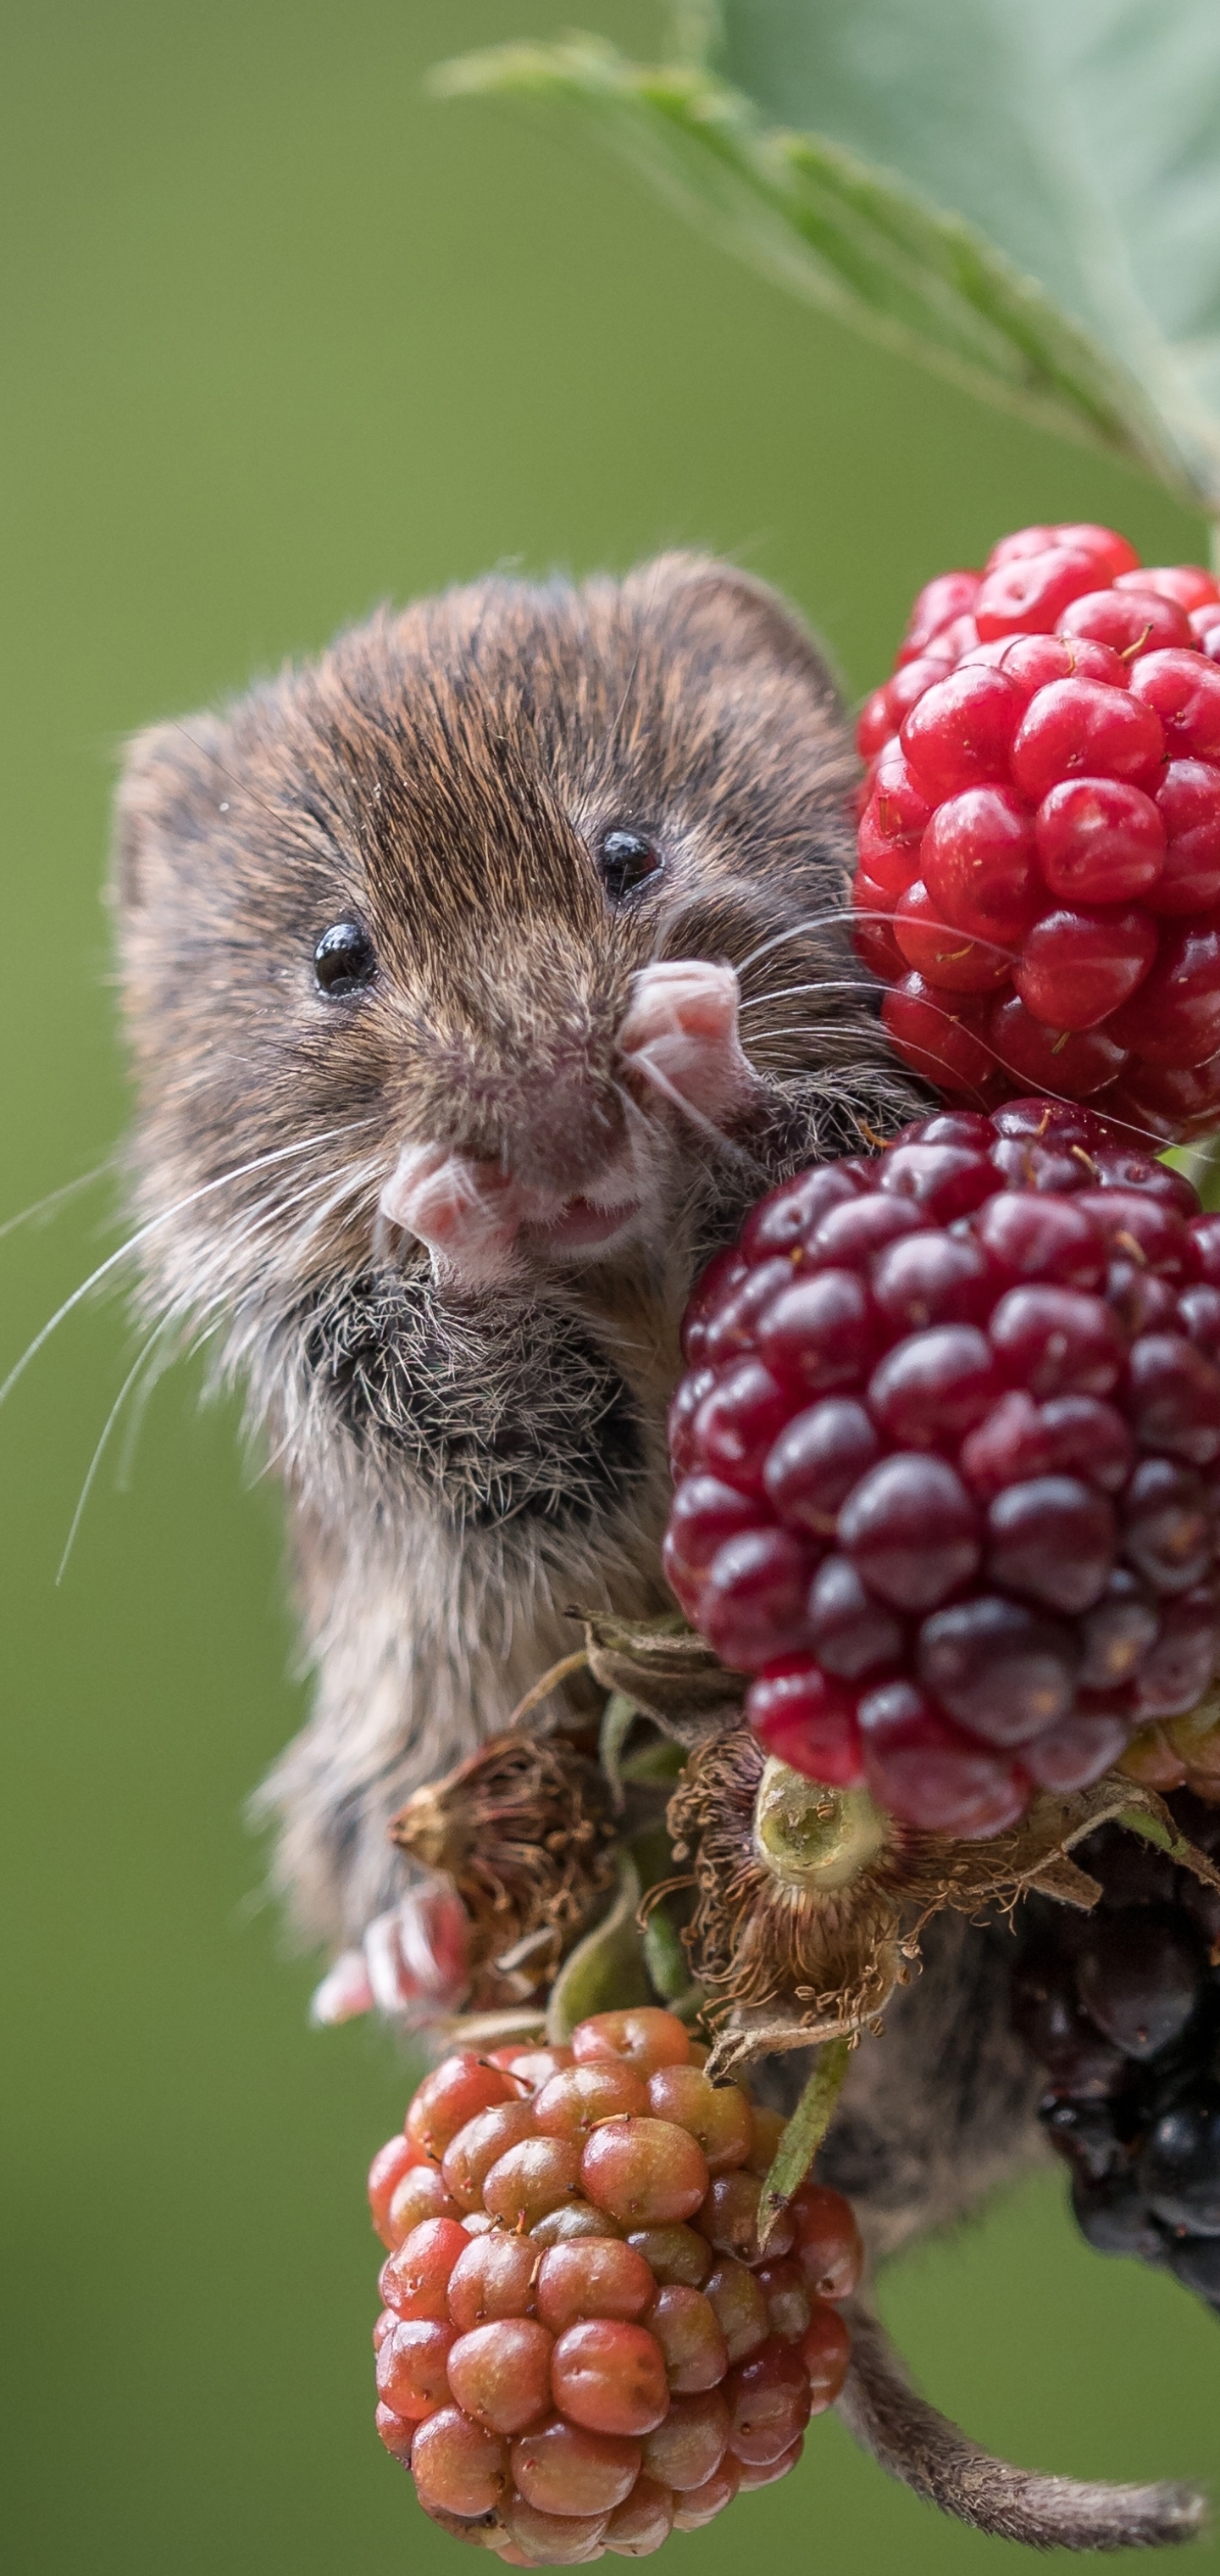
(410,1965)
(680,1038)
(467,1213)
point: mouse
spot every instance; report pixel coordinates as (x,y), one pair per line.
(479,976)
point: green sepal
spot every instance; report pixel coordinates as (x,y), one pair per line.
(606,1972)
(804,2133)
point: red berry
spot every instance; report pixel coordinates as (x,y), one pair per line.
(1188,802)
(1077,968)
(415,2279)
(450,2096)
(755,1596)
(689,2446)
(646,2173)
(469,2156)
(1027,594)
(960,733)
(717,2116)
(829,2247)
(559,2398)
(940,1036)
(610,2376)
(457,2464)
(501,2373)
(1082,729)
(1100,841)
(980,865)
(1131,622)
(1175,1017)
(808,1719)
(948,957)
(1079,1062)
(950,595)
(386,2171)
(826,2353)
(411,2366)
(1052,799)
(599,2277)
(564,2468)
(1002,1549)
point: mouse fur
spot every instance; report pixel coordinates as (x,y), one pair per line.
(469,1423)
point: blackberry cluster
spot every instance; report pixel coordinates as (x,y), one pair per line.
(1122,2007)
(946,1462)
(1039,878)
(583,2345)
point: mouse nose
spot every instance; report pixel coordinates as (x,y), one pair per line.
(563,1134)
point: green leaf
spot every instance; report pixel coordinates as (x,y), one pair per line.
(618,1718)
(848,234)
(606,1971)
(804,2133)
(1081,137)
(665,1958)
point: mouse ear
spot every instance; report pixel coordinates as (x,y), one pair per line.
(733,612)
(170,789)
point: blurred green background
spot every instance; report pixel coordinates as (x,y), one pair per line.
(282,340)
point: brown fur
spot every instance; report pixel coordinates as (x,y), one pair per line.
(462,1468)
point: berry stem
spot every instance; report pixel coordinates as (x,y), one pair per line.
(540,1690)
(804,2132)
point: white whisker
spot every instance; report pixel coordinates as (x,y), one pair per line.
(100,1451)
(57,1198)
(812,921)
(241,1171)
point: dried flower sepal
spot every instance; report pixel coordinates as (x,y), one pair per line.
(667,1670)
(524,1829)
(809,1903)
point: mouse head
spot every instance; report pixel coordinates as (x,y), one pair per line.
(440,941)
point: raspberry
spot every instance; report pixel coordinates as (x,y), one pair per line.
(1039,840)
(1123,2009)
(978,1552)
(564,2398)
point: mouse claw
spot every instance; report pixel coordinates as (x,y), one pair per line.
(468,1214)
(410,1967)
(681,1037)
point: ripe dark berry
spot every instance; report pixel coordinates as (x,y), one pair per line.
(974,1549)
(1123,2009)
(1040,835)
(564,2398)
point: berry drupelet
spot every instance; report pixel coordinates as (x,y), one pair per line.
(1039,876)
(946,1461)
(583,2345)
(1123,2008)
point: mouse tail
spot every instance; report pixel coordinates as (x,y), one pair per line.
(912,2441)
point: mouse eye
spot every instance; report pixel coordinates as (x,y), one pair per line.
(625,859)
(343,960)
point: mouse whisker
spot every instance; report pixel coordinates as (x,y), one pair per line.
(152,1225)
(100,1451)
(824,984)
(58,1198)
(812,921)
(724,1144)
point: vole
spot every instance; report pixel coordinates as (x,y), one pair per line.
(479,976)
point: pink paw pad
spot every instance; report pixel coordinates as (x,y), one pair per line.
(681,1037)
